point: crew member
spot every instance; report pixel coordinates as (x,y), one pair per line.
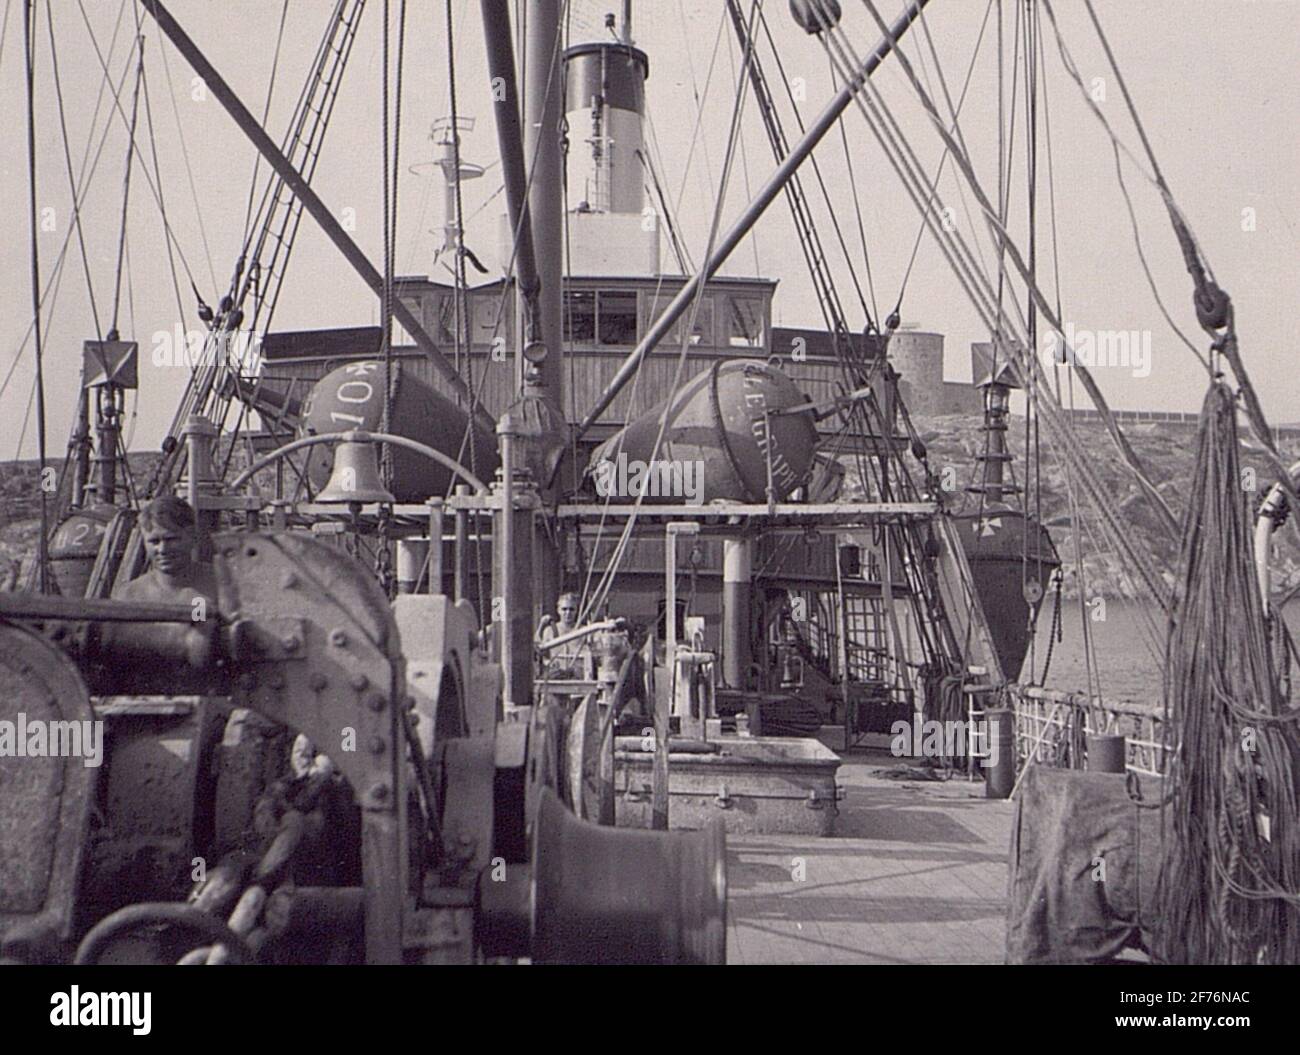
(174,576)
(167,525)
(568,660)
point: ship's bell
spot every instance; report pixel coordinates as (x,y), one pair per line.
(356,475)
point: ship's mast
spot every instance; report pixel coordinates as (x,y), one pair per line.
(543,107)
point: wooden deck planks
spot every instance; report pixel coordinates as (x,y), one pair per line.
(916,873)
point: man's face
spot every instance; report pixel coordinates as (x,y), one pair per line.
(568,612)
(169,549)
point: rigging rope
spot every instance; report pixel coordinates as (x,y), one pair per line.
(699,105)
(157,168)
(744,172)
(70,485)
(955,112)
(391,169)
(29,40)
(126,197)
(874,313)
(266,113)
(478,388)
(53,283)
(1230,883)
(4,30)
(72,186)
(593,604)
(655,161)
(963,161)
(1213,307)
(983,297)
(121,112)
(189,169)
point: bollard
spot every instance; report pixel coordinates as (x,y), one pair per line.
(1000,769)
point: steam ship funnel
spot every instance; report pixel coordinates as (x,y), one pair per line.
(613,227)
(605,107)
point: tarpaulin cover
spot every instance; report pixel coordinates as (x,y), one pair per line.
(1083,867)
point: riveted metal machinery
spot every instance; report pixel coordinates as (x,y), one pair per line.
(330,777)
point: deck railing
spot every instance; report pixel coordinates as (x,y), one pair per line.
(1051,725)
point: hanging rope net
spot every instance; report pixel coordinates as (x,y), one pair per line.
(1230,882)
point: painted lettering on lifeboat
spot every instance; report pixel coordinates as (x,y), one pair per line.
(724,420)
(352,397)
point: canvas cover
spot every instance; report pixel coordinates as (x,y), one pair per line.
(1083,866)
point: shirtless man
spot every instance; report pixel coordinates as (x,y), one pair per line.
(174,577)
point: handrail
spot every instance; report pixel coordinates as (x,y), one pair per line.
(360,436)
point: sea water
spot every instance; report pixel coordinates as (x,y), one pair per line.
(1128,641)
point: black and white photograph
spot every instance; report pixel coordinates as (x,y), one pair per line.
(568,483)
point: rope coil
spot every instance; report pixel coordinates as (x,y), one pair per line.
(1230,882)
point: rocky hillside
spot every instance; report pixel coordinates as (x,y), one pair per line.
(1166,449)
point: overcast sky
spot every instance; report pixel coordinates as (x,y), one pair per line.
(1215,81)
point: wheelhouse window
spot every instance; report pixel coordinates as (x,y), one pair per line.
(701,332)
(486,325)
(606,317)
(580,317)
(441,322)
(616,317)
(400,336)
(745,322)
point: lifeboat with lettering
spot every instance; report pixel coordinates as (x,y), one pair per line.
(74,547)
(727,435)
(352,397)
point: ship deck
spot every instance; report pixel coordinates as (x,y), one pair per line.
(916,872)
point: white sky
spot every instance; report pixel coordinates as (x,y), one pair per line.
(1215,81)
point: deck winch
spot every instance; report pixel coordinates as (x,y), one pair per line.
(396,825)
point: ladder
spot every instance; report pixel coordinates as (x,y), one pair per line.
(867,649)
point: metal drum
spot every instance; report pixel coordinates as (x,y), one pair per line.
(721,440)
(1107,753)
(352,397)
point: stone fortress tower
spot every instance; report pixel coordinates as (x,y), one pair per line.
(918,357)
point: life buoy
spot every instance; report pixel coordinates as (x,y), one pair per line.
(1272,514)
